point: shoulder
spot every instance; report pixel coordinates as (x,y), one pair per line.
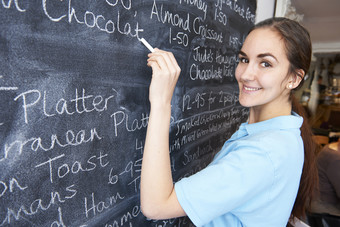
(329,152)
(329,158)
(274,140)
(267,138)
(283,144)
(283,149)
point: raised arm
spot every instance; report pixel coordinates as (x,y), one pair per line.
(158,197)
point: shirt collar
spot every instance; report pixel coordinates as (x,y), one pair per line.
(293,121)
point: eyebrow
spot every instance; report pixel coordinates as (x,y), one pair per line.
(242,53)
(267,55)
(260,55)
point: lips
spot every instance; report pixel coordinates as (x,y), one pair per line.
(251,88)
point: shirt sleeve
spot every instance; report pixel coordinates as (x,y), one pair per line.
(226,184)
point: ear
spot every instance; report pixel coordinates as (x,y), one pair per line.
(295,79)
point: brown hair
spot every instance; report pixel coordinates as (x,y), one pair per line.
(299,50)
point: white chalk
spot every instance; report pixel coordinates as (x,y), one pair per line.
(147,45)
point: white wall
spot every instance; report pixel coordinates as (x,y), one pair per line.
(265,10)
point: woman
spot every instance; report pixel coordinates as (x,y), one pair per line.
(255,178)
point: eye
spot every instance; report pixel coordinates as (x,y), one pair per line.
(265,64)
(243,60)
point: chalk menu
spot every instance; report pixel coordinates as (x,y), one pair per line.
(74,102)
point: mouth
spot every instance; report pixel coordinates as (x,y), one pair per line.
(246,88)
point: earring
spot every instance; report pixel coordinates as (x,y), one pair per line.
(290,86)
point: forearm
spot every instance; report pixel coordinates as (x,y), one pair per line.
(158,197)
(156,178)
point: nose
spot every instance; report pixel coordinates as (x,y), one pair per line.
(247,72)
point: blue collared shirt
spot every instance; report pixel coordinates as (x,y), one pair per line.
(252,181)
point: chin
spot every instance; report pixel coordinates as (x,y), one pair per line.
(244,103)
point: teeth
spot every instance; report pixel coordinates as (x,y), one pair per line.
(251,89)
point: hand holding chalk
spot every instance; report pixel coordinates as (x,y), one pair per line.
(147,45)
(165,73)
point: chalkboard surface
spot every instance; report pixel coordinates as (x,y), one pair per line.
(74,102)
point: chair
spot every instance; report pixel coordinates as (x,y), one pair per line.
(314,220)
(334,119)
(297,223)
(330,220)
(323,220)
(321,140)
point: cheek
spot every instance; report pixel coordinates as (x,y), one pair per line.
(238,73)
(272,85)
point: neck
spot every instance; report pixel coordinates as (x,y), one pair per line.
(266,112)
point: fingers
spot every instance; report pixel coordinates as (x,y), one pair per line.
(174,62)
(165,73)
(154,65)
(164,61)
(158,60)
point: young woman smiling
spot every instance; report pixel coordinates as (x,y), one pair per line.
(265,173)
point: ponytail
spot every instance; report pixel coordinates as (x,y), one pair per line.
(309,177)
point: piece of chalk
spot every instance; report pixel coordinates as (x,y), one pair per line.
(147,45)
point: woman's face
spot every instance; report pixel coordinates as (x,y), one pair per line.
(262,70)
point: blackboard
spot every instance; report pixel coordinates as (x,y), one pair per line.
(74,102)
